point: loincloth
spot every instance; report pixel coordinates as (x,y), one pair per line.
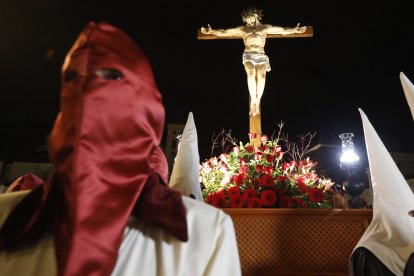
(256,58)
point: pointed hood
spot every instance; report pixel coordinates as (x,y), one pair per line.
(390,234)
(408,88)
(185,176)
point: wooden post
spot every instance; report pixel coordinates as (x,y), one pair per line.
(255,127)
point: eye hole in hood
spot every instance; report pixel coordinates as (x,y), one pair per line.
(109,74)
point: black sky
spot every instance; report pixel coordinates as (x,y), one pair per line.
(316,84)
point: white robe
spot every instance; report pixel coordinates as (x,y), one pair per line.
(145,250)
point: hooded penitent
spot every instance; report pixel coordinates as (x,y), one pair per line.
(105,146)
(389,236)
(185,173)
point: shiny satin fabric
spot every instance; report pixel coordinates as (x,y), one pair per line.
(101,142)
(105,146)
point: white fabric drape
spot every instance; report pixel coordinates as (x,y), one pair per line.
(28,261)
(145,250)
(210,250)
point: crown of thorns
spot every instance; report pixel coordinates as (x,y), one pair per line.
(251,11)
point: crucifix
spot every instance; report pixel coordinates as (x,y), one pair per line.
(255,61)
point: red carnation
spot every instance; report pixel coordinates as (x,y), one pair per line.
(209,199)
(269,158)
(315,195)
(301,185)
(218,200)
(266,180)
(254,203)
(268,197)
(282,179)
(236,201)
(239,178)
(233,191)
(243,201)
(268,169)
(258,155)
(285,202)
(250,193)
(299,202)
(280,192)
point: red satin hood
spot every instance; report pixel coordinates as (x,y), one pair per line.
(107,128)
(105,145)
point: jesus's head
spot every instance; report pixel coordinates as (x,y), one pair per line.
(251,15)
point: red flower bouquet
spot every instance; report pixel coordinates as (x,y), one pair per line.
(264,177)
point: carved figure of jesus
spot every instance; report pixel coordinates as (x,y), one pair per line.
(255,61)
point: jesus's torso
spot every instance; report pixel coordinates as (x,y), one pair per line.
(254,39)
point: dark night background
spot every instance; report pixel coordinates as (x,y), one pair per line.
(316,84)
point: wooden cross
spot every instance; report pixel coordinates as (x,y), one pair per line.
(255,121)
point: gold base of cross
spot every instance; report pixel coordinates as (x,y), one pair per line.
(255,126)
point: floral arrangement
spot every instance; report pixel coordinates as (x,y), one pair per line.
(272,175)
